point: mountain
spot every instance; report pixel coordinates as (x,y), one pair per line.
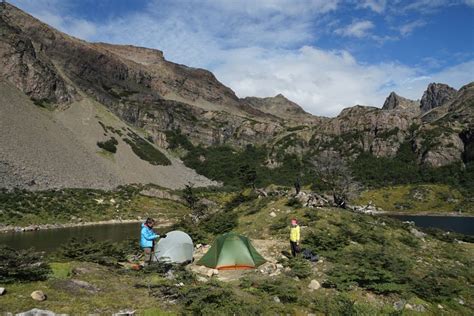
(112,114)
(436,95)
(394,101)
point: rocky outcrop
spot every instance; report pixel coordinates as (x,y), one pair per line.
(396,102)
(436,95)
(280,107)
(25,65)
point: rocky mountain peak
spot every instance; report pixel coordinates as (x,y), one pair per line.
(436,95)
(396,102)
(278,105)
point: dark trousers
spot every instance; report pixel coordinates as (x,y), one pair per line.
(294,248)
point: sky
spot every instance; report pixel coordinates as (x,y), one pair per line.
(324,55)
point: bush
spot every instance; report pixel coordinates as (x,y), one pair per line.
(300,267)
(221,222)
(109,145)
(146,151)
(106,252)
(22,266)
(372,268)
(283,288)
(294,202)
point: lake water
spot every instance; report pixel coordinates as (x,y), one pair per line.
(463,225)
(49,240)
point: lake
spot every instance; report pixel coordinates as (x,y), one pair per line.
(458,224)
(49,240)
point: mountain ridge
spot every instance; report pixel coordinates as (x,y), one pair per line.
(160,98)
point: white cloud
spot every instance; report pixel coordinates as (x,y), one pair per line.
(375,5)
(357,29)
(259,48)
(408,28)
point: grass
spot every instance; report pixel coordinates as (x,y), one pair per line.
(417,199)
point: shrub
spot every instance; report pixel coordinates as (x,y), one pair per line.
(221,222)
(281,287)
(146,151)
(22,266)
(109,145)
(372,268)
(106,252)
(436,287)
(300,267)
(294,202)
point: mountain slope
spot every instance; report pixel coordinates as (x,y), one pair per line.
(41,149)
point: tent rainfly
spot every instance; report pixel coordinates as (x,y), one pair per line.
(177,247)
(231,251)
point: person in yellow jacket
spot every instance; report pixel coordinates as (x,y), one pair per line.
(294,237)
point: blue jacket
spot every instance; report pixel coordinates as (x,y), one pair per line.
(147,237)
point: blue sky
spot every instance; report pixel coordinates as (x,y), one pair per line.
(323,54)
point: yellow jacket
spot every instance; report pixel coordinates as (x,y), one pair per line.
(295,233)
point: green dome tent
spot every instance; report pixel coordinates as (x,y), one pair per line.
(231,252)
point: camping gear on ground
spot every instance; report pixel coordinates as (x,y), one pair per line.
(177,247)
(231,251)
(309,255)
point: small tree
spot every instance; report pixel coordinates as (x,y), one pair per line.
(198,209)
(333,173)
(247,175)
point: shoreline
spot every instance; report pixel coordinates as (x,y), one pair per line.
(29,228)
(427,214)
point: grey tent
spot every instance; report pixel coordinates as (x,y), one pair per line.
(177,247)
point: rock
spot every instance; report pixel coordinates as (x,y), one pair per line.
(419,308)
(273,214)
(409,306)
(461,301)
(436,95)
(399,305)
(124,313)
(39,312)
(314,285)
(210,272)
(276,299)
(417,233)
(440,306)
(201,279)
(2,291)
(279,266)
(38,296)
(396,102)
(84,285)
(215,271)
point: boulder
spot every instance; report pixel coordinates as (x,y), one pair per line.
(39,312)
(273,214)
(399,305)
(38,296)
(276,299)
(2,291)
(314,285)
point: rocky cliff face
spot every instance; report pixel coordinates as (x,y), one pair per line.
(396,102)
(436,95)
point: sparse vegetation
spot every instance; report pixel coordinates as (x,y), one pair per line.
(145,150)
(109,145)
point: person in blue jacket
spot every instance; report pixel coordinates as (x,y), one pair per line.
(148,237)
